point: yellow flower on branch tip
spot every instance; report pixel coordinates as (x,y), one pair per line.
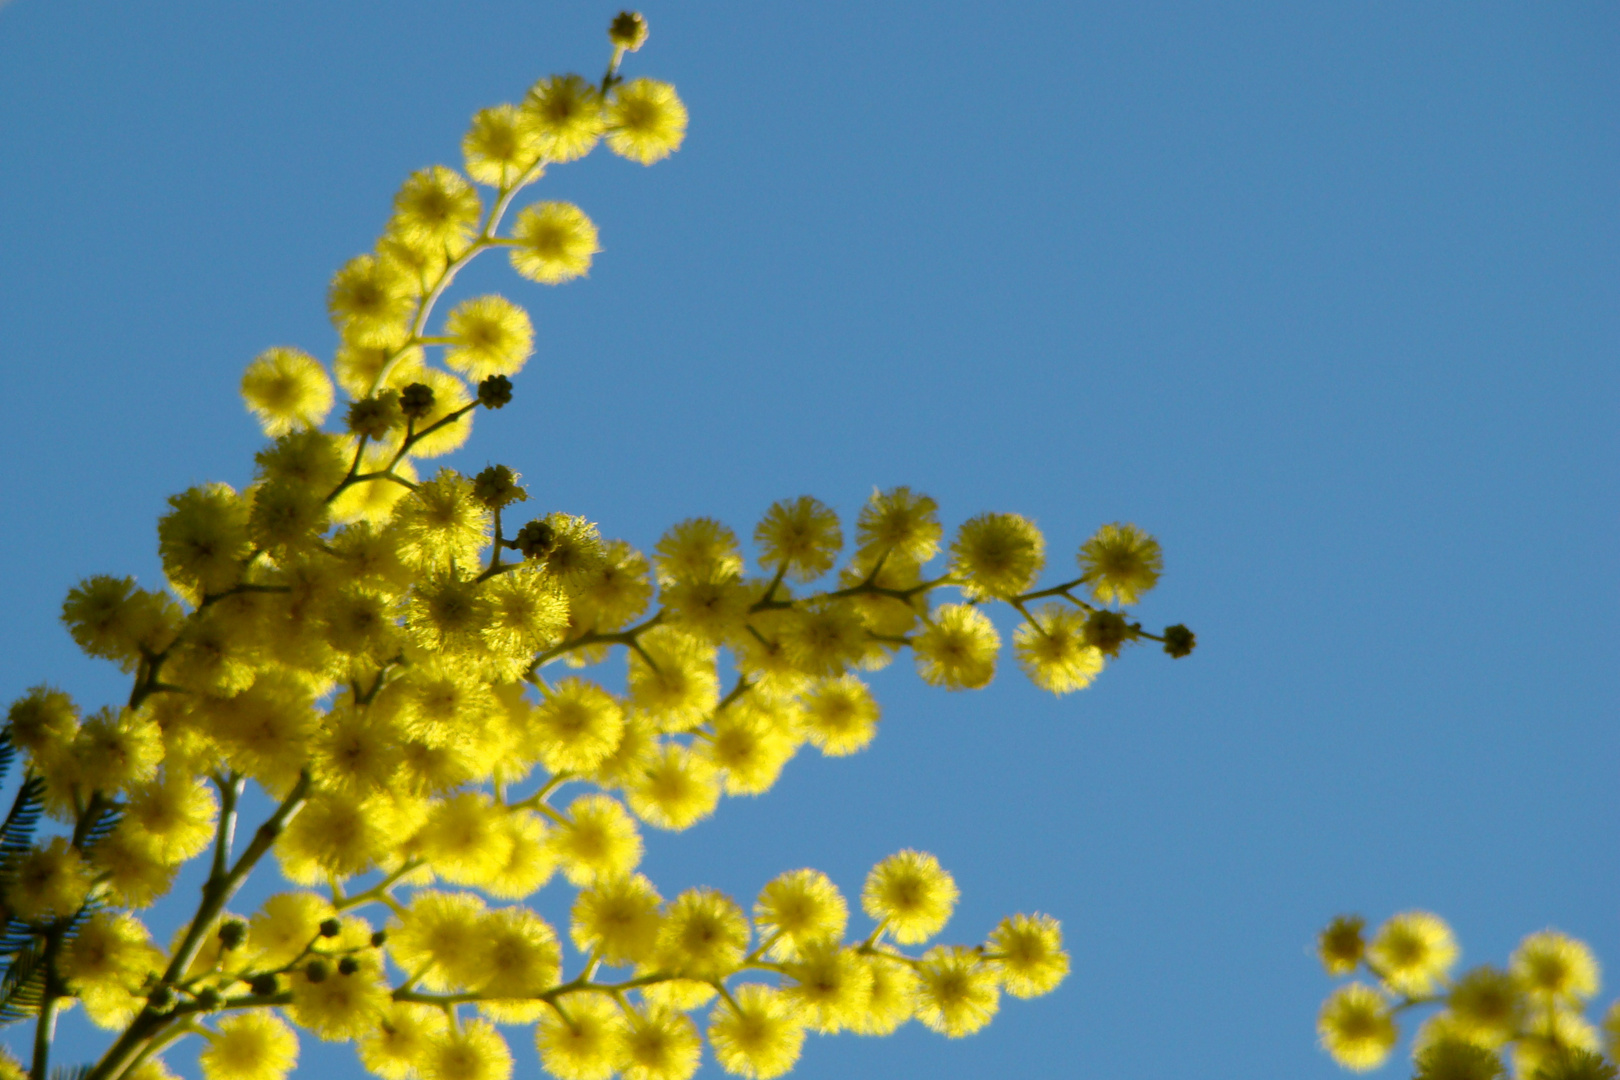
(576,727)
(997,554)
(830,984)
(801,535)
(521,960)
(600,840)
(436,208)
(400,1039)
(50,879)
(756,1033)
(956,991)
(1030,954)
(703,935)
(342,1005)
(798,908)
(441,934)
(1487,1006)
(1556,966)
(583,1038)
(491,335)
(958,648)
(1053,651)
(646,122)
(697,549)
(1121,562)
(1413,951)
(283,926)
(892,999)
(369,301)
(565,113)
(899,523)
(618,917)
(672,676)
(1356,1027)
(286,388)
(554,242)
(750,747)
(660,1044)
(475,1051)
(254,1045)
(911,895)
(501,145)
(840,715)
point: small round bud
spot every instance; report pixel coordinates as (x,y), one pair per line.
(416,400)
(628,31)
(331,928)
(374,416)
(232,934)
(265,985)
(1179,641)
(210,998)
(348,966)
(535,540)
(495,391)
(1341,946)
(316,971)
(378,938)
(497,487)
(161,998)
(1107,631)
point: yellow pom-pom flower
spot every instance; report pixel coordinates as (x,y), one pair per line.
(680,687)
(565,113)
(577,726)
(704,935)
(840,716)
(176,812)
(1030,956)
(284,926)
(899,523)
(1412,952)
(521,960)
(463,839)
(106,963)
(1053,651)
(501,145)
(370,300)
(614,591)
(697,549)
(599,841)
(1487,1006)
(475,1051)
(800,535)
(203,540)
(824,637)
(957,650)
(117,750)
(997,554)
(755,1033)
(830,985)
(678,788)
(892,999)
(660,1044)
(911,895)
(1555,966)
(286,388)
(49,880)
(750,747)
(253,1045)
(491,335)
(553,242)
(1555,1034)
(442,520)
(443,934)
(583,1039)
(1120,563)
(646,122)
(956,991)
(799,908)
(400,1039)
(712,611)
(618,919)
(1356,1027)
(437,209)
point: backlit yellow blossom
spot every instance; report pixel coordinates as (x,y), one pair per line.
(554,242)
(1356,1027)
(1556,966)
(660,1044)
(474,1051)
(1413,952)
(956,991)
(400,1039)
(249,1046)
(830,984)
(756,1033)
(600,840)
(957,650)
(285,387)
(911,895)
(492,336)
(1053,651)
(583,1038)
(619,918)
(703,935)
(998,554)
(1029,954)
(646,122)
(565,113)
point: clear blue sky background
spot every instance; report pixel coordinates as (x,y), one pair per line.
(1323,295)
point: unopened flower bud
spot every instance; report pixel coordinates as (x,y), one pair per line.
(1107,631)
(1340,946)
(210,998)
(416,400)
(348,966)
(331,928)
(535,540)
(265,985)
(160,998)
(316,971)
(628,31)
(232,934)
(495,391)
(378,938)
(1179,641)
(497,487)
(374,416)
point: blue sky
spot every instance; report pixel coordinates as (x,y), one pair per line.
(1325,296)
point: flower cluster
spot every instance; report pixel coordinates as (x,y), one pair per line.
(1529,1015)
(410,678)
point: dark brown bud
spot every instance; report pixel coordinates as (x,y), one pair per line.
(374,416)
(331,928)
(232,934)
(1107,630)
(495,391)
(535,540)
(1179,641)
(497,487)
(348,966)
(265,985)
(416,400)
(628,31)
(316,971)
